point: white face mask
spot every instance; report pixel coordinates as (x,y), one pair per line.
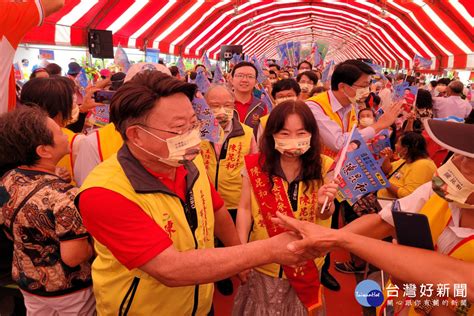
(450,184)
(280,100)
(179,147)
(293,146)
(223,115)
(366,121)
(272,81)
(305,87)
(360,96)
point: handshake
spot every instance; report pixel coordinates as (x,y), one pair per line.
(302,242)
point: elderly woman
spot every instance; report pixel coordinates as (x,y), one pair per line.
(50,244)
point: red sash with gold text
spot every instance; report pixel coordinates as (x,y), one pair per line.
(304,280)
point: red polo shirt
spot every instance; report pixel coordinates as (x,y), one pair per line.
(121,225)
(243,108)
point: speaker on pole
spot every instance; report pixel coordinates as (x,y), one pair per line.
(227,51)
(101,44)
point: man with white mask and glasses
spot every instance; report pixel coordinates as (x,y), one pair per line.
(336,113)
(335,110)
(153,212)
(224,159)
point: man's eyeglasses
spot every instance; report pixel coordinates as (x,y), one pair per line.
(195,125)
(359,86)
(242,76)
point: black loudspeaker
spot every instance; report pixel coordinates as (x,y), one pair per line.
(101,44)
(227,51)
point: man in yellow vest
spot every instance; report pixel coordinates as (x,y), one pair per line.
(335,110)
(447,201)
(153,212)
(335,113)
(224,160)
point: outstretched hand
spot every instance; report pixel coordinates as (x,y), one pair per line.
(389,117)
(315,241)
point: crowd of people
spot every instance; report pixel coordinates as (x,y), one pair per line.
(141,215)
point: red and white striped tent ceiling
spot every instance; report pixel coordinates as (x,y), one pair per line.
(390,32)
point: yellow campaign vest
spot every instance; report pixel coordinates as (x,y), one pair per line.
(438,213)
(109,141)
(306,211)
(263,121)
(225,173)
(66,162)
(323,101)
(112,280)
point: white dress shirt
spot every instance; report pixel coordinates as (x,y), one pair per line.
(331,133)
(451,106)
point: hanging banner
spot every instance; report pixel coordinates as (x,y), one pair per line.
(152,55)
(46,54)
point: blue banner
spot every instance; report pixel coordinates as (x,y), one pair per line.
(235,59)
(210,129)
(46,54)
(404,91)
(82,79)
(282,52)
(379,143)
(181,67)
(121,59)
(206,62)
(297,47)
(261,76)
(218,76)
(360,173)
(377,68)
(327,72)
(421,63)
(266,99)
(152,55)
(202,82)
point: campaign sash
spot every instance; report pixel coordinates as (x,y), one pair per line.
(304,280)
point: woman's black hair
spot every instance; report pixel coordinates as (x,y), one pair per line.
(285,84)
(54,95)
(424,99)
(310,74)
(415,144)
(311,159)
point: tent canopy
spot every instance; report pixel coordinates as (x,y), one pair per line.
(389,32)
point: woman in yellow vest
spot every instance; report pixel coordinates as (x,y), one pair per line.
(412,170)
(287,176)
(56,97)
(448,202)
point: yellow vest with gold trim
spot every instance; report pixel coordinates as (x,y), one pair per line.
(66,162)
(323,101)
(263,121)
(438,213)
(109,141)
(225,174)
(112,280)
(307,210)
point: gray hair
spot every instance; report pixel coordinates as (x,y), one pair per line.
(215,86)
(456,86)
